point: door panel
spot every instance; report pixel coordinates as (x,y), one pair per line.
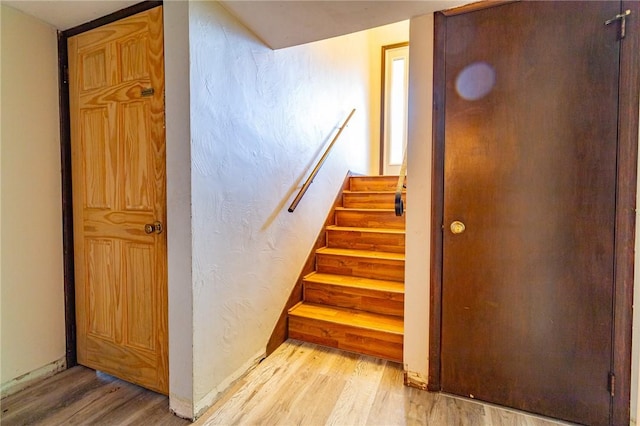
(102,299)
(530,169)
(118,166)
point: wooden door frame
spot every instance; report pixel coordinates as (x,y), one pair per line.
(626,187)
(65,157)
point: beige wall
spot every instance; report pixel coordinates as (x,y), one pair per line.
(378,37)
(32,298)
(416,335)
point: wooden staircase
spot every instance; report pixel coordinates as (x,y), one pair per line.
(354,300)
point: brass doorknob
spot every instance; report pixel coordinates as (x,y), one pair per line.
(156,227)
(457,227)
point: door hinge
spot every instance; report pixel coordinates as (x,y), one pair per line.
(612,384)
(622,17)
(65,75)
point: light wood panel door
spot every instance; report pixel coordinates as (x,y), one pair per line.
(116,85)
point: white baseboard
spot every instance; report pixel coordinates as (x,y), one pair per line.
(32,377)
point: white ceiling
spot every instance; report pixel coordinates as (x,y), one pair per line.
(65,14)
(278,23)
(289,23)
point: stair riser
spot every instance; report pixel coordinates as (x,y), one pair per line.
(373,219)
(376,301)
(382,269)
(348,338)
(371,201)
(357,240)
(373,183)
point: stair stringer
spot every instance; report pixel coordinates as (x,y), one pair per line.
(280,331)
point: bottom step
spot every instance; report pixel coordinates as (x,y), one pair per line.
(348,329)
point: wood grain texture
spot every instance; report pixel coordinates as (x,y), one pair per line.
(378,296)
(353,317)
(369,218)
(300,383)
(371,199)
(81,396)
(361,263)
(306,384)
(118,167)
(379,239)
(358,276)
(437,202)
(348,329)
(373,183)
(537,190)
(628,118)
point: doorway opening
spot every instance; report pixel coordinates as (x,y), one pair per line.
(394,107)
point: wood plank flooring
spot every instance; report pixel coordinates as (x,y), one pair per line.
(299,384)
(80,396)
(305,384)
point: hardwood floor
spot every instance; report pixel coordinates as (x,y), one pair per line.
(299,384)
(305,384)
(80,396)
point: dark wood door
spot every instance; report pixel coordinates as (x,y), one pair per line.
(531,105)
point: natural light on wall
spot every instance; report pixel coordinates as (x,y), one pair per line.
(398,111)
(396,72)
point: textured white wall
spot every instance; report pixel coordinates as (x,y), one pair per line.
(259,119)
(32,293)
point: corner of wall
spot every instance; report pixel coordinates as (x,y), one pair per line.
(179,234)
(417,272)
(182,408)
(24,381)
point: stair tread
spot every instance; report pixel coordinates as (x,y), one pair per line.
(364,209)
(372,254)
(359,282)
(349,317)
(371,191)
(370,177)
(399,231)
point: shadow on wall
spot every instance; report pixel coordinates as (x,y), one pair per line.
(297,185)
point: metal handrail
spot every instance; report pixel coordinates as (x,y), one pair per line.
(313,174)
(399,204)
